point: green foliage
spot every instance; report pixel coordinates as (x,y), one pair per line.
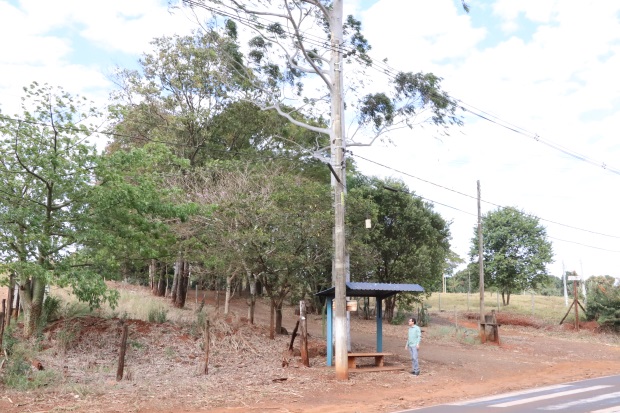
(158,315)
(51,308)
(51,312)
(46,176)
(400,317)
(515,251)
(18,373)
(9,340)
(408,241)
(423,316)
(604,301)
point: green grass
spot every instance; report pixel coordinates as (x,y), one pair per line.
(546,308)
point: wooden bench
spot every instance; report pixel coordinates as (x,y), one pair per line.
(352,357)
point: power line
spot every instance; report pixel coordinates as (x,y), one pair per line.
(473,197)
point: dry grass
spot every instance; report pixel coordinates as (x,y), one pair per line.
(547,309)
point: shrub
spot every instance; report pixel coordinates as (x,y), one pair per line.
(18,373)
(158,315)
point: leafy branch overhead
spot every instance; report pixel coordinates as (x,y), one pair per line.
(291,48)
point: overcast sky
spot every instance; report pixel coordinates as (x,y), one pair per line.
(546,68)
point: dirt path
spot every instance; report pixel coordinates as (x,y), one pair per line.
(246,374)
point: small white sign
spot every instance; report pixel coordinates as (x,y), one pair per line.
(574,278)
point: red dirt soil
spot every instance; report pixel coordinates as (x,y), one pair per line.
(164,365)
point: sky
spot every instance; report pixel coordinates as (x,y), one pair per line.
(544,74)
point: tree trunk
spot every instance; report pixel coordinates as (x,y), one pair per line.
(388,311)
(11,296)
(278,315)
(272,320)
(229,290)
(182,283)
(32,293)
(251,301)
(175,282)
(162,281)
(153,280)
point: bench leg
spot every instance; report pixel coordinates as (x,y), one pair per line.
(352,364)
(379,361)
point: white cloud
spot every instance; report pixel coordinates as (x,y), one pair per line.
(546,81)
(554,74)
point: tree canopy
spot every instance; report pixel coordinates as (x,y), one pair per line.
(408,242)
(68,217)
(515,251)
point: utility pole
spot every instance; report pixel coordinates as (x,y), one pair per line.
(338,147)
(583,285)
(565,289)
(481,266)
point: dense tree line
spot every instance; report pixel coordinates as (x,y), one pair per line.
(198,183)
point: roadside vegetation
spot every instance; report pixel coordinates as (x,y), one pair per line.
(202,188)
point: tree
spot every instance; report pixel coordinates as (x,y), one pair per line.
(271,223)
(408,241)
(604,301)
(69,216)
(294,40)
(515,251)
(46,174)
(186,94)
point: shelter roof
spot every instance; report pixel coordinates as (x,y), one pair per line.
(378,290)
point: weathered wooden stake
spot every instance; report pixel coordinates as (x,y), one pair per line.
(206,345)
(290,346)
(121,353)
(2,318)
(304,334)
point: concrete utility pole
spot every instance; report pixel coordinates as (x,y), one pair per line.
(565,289)
(480,264)
(338,147)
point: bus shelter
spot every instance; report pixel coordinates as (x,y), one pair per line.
(380,291)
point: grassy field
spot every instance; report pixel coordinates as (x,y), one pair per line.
(132,304)
(547,308)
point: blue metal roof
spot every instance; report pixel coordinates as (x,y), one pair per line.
(379,290)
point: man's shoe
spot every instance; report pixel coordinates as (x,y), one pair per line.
(417,373)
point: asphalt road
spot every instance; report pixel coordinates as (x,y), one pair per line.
(601,395)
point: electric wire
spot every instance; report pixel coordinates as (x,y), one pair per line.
(390,72)
(475,198)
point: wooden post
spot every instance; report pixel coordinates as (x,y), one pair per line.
(304,334)
(456,323)
(121,353)
(206,346)
(293,335)
(2,318)
(575,305)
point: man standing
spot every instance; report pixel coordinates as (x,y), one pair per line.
(413,344)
